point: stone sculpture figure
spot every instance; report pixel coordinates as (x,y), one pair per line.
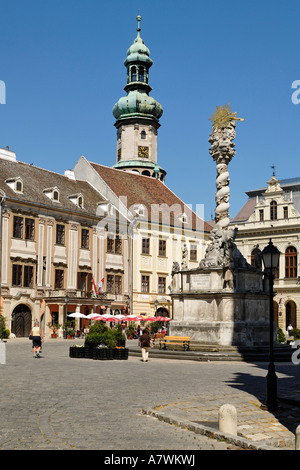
(221,250)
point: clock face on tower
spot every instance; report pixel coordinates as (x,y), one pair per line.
(143,152)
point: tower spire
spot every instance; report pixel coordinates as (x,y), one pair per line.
(139,19)
(137,114)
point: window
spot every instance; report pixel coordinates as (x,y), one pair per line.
(118,284)
(59,279)
(143,135)
(193,253)
(145,246)
(28,276)
(114,245)
(133,74)
(18,227)
(291,262)
(161,285)
(29,229)
(141,74)
(84,280)
(145,283)
(22,276)
(17,275)
(85,235)
(60,234)
(273,210)
(261,215)
(55,196)
(285,212)
(114,284)
(19,186)
(162,248)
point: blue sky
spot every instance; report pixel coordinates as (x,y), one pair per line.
(62,64)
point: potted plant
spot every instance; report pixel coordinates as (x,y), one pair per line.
(54,327)
(70,333)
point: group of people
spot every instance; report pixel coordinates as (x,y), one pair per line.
(36,335)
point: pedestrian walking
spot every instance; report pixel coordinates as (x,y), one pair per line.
(37,339)
(145,342)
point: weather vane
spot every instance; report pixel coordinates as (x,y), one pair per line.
(223,116)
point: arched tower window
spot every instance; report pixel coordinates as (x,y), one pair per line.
(273,210)
(141,74)
(133,74)
(143,135)
(291,262)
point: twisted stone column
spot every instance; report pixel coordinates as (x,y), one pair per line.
(222,151)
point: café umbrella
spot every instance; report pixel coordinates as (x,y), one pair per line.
(108,317)
(92,316)
(76,315)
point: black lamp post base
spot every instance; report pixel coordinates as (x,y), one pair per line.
(271,402)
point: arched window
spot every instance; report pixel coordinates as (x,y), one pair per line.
(133,74)
(291,262)
(143,135)
(141,74)
(273,210)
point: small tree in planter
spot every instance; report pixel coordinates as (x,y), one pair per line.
(54,327)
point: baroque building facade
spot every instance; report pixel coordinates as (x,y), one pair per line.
(274,213)
(51,252)
(121,228)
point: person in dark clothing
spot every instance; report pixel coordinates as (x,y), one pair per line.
(145,342)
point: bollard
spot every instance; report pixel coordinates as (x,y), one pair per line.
(2,352)
(297,438)
(228,419)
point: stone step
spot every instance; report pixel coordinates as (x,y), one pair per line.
(217,353)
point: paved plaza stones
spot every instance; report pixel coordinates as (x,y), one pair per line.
(60,403)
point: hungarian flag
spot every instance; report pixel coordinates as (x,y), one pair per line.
(94,288)
(100,284)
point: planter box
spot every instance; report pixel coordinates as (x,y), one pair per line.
(92,352)
(89,351)
(75,351)
(121,353)
(101,354)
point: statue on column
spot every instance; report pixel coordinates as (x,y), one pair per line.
(222,249)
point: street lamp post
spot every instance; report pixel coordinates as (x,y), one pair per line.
(270,255)
(67,298)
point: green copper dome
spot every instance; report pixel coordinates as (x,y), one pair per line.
(138,52)
(137,103)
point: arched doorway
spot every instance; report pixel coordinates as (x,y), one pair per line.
(21,321)
(290,314)
(162,312)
